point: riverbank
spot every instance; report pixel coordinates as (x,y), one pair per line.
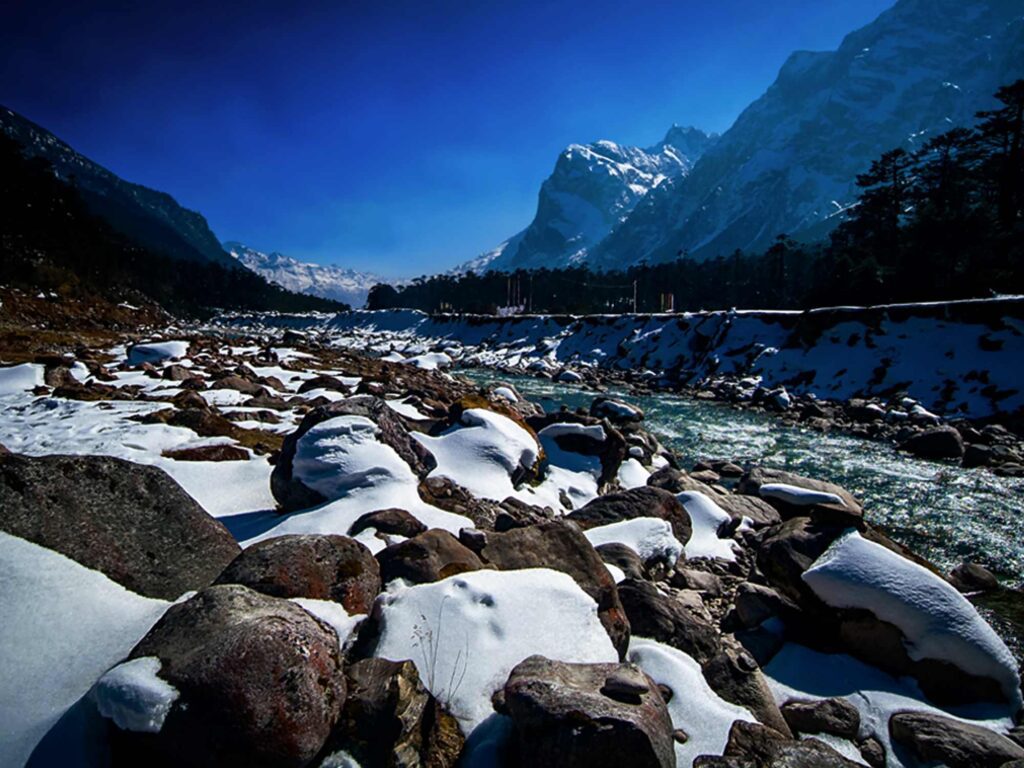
(413,531)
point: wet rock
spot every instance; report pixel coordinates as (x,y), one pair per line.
(646,501)
(833,716)
(657,616)
(935,738)
(396,522)
(586,716)
(324,567)
(972,577)
(292,494)
(260,683)
(615,411)
(209,453)
(849,512)
(428,557)
(562,546)
(936,443)
(129,521)
(390,719)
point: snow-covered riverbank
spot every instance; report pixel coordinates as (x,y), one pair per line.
(958,358)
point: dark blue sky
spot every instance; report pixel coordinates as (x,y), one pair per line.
(399,137)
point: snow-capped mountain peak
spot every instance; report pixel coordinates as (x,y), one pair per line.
(324,280)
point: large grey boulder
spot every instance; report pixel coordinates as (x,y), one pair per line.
(936,443)
(260,683)
(934,738)
(586,716)
(130,521)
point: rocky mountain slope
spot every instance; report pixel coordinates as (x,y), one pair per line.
(324,280)
(591,190)
(152,218)
(789,162)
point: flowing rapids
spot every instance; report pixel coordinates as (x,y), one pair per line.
(941,511)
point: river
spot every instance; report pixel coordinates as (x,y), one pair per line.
(941,511)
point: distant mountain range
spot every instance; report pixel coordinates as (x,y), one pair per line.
(789,162)
(325,281)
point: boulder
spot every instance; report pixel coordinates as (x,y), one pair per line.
(759,511)
(390,719)
(209,453)
(562,547)
(936,443)
(657,616)
(431,556)
(849,512)
(131,522)
(676,481)
(972,577)
(735,676)
(934,738)
(323,567)
(623,558)
(292,494)
(586,716)
(239,384)
(445,493)
(615,411)
(323,381)
(837,717)
(789,549)
(260,683)
(763,747)
(645,501)
(395,522)
(756,603)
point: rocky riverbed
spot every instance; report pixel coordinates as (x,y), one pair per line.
(272,551)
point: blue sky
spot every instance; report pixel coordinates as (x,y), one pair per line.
(397,137)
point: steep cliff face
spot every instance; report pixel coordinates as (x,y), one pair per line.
(789,162)
(591,190)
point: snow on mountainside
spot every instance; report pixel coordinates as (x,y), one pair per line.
(789,162)
(151,217)
(325,281)
(592,189)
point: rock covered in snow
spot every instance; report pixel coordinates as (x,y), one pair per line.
(561,546)
(156,352)
(322,567)
(586,716)
(260,683)
(317,467)
(466,633)
(615,411)
(634,503)
(130,521)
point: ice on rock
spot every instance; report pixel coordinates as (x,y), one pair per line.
(797,496)
(649,537)
(466,633)
(156,351)
(482,453)
(937,621)
(134,696)
(706,517)
(695,708)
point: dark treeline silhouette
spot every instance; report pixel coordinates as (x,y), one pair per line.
(944,222)
(49,238)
